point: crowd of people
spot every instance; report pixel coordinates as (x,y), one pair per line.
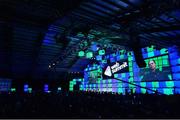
(79,104)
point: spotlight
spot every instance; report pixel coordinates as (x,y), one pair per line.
(49,66)
(53,63)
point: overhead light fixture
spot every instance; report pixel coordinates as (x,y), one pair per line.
(81,53)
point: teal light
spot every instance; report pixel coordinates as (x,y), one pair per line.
(164,51)
(89,55)
(170,83)
(150,49)
(115,75)
(150,54)
(13,89)
(131,85)
(143,84)
(155,84)
(165,62)
(121,56)
(123,75)
(85,43)
(179,61)
(120,90)
(130,69)
(130,58)
(170,76)
(81,54)
(130,64)
(131,74)
(129,54)
(168,91)
(59,88)
(101,52)
(114,54)
(80,34)
(30,90)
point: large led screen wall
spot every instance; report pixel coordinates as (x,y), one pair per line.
(119,72)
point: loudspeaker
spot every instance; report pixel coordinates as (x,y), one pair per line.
(136,47)
(139,58)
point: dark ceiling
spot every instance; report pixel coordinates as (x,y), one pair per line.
(38,36)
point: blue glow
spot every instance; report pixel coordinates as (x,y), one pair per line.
(121,3)
(108,5)
(101,8)
(94,47)
(94,11)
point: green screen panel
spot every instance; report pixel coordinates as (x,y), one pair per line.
(150,49)
(115,75)
(130,79)
(143,84)
(131,74)
(131,85)
(155,84)
(129,54)
(168,91)
(98,81)
(130,63)
(114,54)
(130,69)
(123,75)
(164,51)
(165,62)
(120,90)
(110,89)
(122,56)
(169,83)
(119,84)
(143,90)
(104,61)
(109,85)
(150,54)
(130,58)
(104,89)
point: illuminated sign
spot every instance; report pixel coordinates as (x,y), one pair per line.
(115,68)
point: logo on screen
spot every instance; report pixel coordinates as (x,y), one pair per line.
(108,71)
(115,68)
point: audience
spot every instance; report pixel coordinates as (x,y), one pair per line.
(81,104)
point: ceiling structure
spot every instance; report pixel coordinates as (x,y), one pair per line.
(39,36)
